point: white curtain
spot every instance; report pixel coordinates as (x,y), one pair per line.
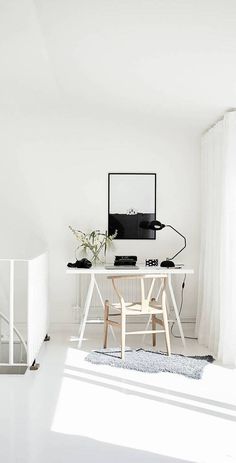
(216,317)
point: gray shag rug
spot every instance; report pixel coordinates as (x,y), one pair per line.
(150,361)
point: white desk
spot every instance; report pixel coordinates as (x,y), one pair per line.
(100,270)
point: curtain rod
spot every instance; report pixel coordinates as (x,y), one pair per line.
(231,110)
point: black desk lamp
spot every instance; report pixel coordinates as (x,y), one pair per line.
(157,226)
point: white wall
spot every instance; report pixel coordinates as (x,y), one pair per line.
(90,87)
(61,160)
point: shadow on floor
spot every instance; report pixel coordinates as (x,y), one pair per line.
(77,448)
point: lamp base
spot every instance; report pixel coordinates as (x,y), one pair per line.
(167,263)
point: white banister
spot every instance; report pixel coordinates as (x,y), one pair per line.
(16,331)
(36,321)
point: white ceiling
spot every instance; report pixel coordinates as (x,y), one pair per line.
(168,60)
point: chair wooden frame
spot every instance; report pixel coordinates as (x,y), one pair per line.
(147,306)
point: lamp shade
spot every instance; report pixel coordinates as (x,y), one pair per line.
(156,225)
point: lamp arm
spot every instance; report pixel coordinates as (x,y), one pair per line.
(185,241)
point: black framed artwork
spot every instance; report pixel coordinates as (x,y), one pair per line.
(131,205)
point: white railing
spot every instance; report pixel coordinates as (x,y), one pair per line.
(18,334)
(36,314)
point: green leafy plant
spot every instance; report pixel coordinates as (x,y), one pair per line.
(94,242)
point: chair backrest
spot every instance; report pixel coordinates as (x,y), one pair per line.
(145,296)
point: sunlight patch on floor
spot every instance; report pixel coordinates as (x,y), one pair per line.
(115,407)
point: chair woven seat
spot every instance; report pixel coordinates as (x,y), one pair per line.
(131,308)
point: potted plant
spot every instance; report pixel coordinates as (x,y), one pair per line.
(93,244)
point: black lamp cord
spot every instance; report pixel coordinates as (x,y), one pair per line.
(180,310)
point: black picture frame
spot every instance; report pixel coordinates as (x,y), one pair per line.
(132,226)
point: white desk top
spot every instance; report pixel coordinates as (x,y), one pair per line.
(101,270)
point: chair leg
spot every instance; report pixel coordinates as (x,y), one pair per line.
(106,316)
(123,328)
(154,336)
(165,321)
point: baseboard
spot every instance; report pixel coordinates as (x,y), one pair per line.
(71,326)
(97,313)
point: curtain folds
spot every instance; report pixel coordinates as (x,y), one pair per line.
(216,315)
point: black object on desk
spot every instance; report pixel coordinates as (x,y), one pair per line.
(125,261)
(83,263)
(151,262)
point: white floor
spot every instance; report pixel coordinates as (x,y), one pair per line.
(72,411)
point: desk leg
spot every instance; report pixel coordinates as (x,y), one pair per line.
(86,309)
(175,309)
(102,301)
